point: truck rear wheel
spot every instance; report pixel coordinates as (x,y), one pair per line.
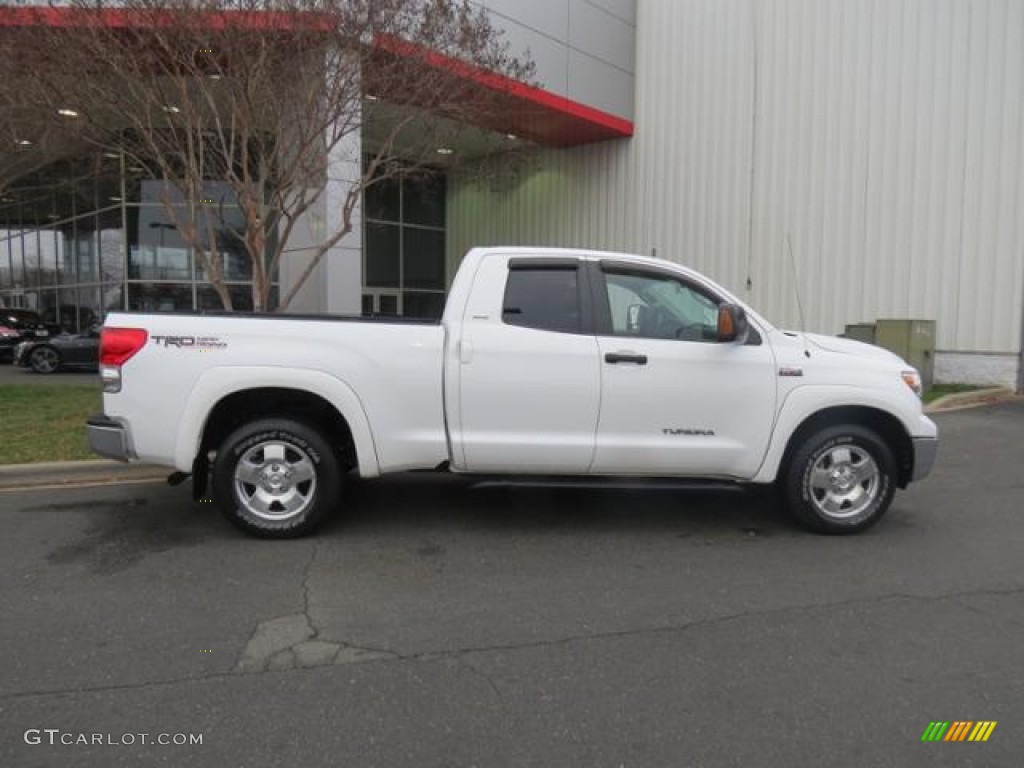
(841,480)
(276,478)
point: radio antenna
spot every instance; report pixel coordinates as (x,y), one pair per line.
(796,291)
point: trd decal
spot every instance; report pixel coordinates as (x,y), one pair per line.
(189,342)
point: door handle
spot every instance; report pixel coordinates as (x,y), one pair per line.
(625,357)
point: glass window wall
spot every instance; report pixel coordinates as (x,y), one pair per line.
(79,239)
(403,246)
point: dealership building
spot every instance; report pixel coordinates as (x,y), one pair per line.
(832,162)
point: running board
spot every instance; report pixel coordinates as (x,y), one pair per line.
(614,484)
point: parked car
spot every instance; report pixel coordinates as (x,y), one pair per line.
(551,366)
(9,339)
(17,325)
(68,350)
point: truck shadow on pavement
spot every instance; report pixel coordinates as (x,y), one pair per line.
(449,502)
(110,535)
(119,532)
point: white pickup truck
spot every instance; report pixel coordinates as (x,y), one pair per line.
(547,366)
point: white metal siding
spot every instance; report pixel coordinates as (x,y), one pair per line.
(887,145)
(583,50)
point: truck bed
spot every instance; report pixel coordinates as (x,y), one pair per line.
(392,368)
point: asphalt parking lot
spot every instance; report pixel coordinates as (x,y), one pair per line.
(434,625)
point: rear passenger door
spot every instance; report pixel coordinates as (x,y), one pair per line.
(529,374)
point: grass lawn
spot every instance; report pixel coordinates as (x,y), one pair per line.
(45,422)
(941,390)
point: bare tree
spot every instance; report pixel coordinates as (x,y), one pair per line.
(263,96)
(27,138)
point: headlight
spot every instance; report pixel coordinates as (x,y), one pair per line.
(913,380)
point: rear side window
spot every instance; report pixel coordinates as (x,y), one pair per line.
(546,299)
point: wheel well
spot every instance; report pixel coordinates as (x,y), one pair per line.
(885,425)
(270,402)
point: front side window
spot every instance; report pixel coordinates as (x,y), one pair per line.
(655,306)
(545,299)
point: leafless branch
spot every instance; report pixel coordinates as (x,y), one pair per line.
(264,96)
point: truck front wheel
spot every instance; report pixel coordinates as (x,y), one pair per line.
(840,480)
(276,478)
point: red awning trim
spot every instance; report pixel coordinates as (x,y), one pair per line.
(579,121)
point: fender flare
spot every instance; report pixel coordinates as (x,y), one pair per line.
(804,402)
(217,383)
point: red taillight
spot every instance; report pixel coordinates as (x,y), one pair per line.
(117,345)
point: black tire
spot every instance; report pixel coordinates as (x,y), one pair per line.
(278,452)
(820,486)
(44,360)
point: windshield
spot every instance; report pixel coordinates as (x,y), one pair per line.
(19,315)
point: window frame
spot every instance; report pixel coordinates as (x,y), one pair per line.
(396,218)
(584,290)
(602,303)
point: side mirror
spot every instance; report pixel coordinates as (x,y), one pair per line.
(733,326)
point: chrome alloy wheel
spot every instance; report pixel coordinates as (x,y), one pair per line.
(844,481)
(44,360)
(275,480)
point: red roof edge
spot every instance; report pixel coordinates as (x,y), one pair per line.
(590,123)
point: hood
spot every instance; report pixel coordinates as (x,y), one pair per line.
(851,347)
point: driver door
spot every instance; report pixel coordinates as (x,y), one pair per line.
(674,400)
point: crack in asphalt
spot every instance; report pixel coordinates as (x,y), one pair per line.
(480,673)
(272,642)
(293,640)
(305,588)
(385,655)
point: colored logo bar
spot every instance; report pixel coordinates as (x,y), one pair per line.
(959,730)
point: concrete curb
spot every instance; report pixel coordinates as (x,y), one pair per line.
(975,399)
(72,473)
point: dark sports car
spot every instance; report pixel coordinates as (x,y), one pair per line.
(64,351)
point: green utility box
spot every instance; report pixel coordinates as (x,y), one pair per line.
(861,332)
(913,340)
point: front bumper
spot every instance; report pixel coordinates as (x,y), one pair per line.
(925,451)
(108,438)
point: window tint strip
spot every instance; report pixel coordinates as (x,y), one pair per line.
(543,264)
